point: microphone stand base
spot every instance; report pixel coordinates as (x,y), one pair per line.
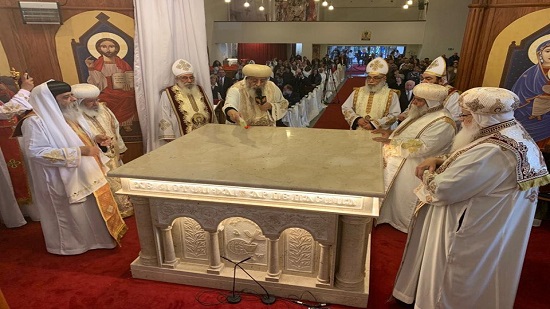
(233,299)
(268,299)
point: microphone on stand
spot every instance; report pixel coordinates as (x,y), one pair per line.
(234,298)
(267,299)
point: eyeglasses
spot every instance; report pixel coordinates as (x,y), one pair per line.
(464,115)
(185,78)
(255,80)
(374,77)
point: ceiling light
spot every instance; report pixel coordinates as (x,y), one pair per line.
(316,0)
(331,7)
(261,8)
(246,4)
(227,1)
(406,6)
(325,3)
(410,2)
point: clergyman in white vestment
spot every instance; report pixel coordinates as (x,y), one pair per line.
(101,120)
(375,105)
(184,107)
(77,210)
(428,131)
(467,242)
(12,210)
(255,101)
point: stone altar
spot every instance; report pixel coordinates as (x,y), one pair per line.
(298,201)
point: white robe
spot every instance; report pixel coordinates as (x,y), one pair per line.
(427,136)
(67,228)
(466,248)
(239,99)
(169,127)
(382,110)
(10,212)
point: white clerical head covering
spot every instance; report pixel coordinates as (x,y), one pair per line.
(377,66)
(257,70)
(489,105)
(434,94)
(85,91)
(438,67)
(181,67)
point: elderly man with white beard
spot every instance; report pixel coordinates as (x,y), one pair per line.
(467,242)
(184,106)
(427,132)
(102,121)
(77,209)
(375,105)
(255,101)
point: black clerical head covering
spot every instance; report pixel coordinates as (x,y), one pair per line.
(57,87)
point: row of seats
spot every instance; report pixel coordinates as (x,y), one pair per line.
(303,112)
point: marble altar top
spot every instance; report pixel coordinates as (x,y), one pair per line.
(296,159)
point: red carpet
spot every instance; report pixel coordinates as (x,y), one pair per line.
(332,117)
(32,278)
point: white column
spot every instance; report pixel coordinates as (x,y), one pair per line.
(215,264)
(323,277)
(168,247)
(350,273)
(273,268)
(142,211)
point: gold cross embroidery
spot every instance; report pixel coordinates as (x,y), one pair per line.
(375,65)
(13,163)
(183,65)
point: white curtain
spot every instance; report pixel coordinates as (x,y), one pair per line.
(166,30)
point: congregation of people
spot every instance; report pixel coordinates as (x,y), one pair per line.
(461,175)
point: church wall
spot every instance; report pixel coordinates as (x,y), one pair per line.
(45,50)
(33,47)
(443,28)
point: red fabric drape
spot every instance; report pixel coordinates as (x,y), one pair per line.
(261,53)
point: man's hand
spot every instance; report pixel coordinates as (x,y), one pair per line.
(89,150)
(382,140)
(234,115)
(266,106)
(103,140)
(383,132)
(27,82)
(364,124)
(402,116)
(430,164)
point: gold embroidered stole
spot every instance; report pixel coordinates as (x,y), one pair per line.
(104,197)
(372,106)
(250,110)
(113,152)
(185,121)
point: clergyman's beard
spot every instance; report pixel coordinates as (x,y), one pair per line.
(186,85)
(90,111)
(417,112)
(375,88)
(71,112)
(466,135)
(192,90)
